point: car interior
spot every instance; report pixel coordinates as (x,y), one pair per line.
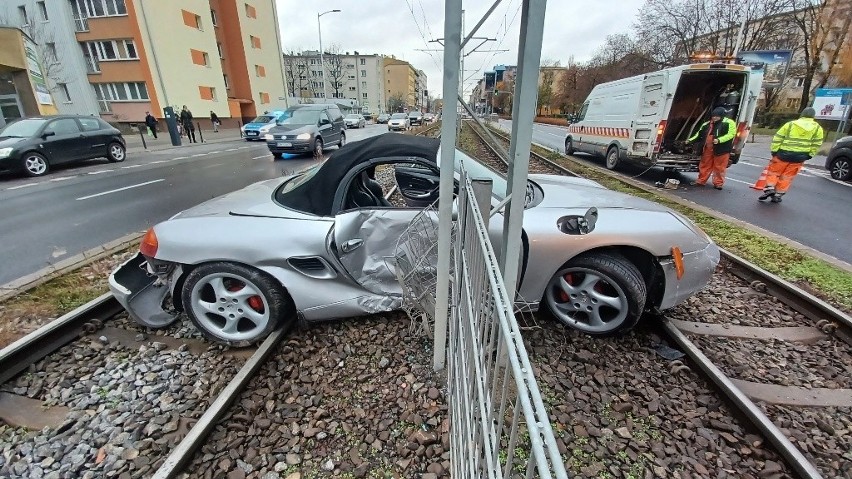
(416,183)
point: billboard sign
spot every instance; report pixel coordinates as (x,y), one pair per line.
(774,64)
(42,94)
(832,103)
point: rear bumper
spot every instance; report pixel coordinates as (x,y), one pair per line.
(141,293)
(698,267)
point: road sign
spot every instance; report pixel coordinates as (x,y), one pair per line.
(774,64)
(832,103)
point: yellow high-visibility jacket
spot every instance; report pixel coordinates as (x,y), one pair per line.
(798,140)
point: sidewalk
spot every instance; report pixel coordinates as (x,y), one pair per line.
(163,142)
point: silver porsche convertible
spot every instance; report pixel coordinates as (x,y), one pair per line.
(315,246)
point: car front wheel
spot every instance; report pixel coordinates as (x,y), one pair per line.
(599,294)
(116,153)
(342,140)
(35,164)
(233,304)
(841,168)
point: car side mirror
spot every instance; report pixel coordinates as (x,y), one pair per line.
(46,134)
(325,121)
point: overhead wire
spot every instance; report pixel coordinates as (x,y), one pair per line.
(500,42)
(420,30)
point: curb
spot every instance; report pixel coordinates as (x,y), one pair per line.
(67,265)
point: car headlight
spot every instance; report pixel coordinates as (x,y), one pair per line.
(304,136)
(268,137)
(5,152)
(265,129)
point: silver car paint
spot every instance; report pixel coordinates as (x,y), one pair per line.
(248,227)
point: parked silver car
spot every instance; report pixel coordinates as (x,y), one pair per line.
(354,120)
(398,121)
(314,246)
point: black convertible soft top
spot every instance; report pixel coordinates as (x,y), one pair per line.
(316,195)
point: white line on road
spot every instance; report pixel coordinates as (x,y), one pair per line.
(157,162)
(62,178)
(259,157)
(739,181)
(178,158)
(214,152)
(99,172)
(130,166)
(199,154)
(212,166)
(232,149)
(119,189)
(22,186)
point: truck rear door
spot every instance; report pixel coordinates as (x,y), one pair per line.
(748,107)
(652,106)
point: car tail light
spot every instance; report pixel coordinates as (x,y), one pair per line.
(677,256)
(658,142)
(742,133)
(149,244)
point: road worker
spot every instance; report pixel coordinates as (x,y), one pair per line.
(717,138)
(795,143)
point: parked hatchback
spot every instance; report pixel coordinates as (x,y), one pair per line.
(307,129)
(34,145)
(839,161)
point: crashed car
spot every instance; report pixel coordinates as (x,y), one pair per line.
(315,246)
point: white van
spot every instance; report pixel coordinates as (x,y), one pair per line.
(646,119)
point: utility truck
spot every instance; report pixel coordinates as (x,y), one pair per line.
(646,119)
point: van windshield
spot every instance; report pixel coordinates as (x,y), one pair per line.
(300,117)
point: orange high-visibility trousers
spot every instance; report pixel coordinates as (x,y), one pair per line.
(712,164)
(781,174)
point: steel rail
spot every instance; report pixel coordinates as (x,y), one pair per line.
(785,291)
(36,345)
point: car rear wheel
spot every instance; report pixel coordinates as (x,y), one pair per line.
(612,159)
(35,164)
(841,168)
(599,294)
(116,153)
(569,146)
(234,304)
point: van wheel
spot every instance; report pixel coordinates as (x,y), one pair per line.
(612,159)
(569,146)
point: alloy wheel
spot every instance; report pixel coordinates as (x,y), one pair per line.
(230,306)
(36,165)
(841,169)
(587,300)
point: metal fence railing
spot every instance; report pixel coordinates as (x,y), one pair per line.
(498,423)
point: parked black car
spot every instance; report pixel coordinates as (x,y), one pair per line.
(415,118)
(383,118)
(307,129)
(839,161)
(34,145)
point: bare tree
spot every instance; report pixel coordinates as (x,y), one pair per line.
(334,69)
(396,102)
(298,75)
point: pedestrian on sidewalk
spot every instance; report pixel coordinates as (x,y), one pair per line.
(717,138)
(215,120)
(151,123)
(188,127)
(794,143)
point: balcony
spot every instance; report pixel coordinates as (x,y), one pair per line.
(81,24)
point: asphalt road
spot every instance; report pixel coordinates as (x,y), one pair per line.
(813,211)
(71,210)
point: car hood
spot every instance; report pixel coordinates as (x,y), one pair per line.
(295,129)
(254,126)
(572,192)
(11,142)
(397,120)
(253,200)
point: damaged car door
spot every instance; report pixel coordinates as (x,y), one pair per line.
(365,242)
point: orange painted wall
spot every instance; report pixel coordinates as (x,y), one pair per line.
(235,57)
(119,71)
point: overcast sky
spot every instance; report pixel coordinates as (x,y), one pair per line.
(393,27)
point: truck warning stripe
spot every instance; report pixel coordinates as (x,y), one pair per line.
(601,131)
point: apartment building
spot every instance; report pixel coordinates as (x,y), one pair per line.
(125,57)
(401,81)
(354,77)
(23,91)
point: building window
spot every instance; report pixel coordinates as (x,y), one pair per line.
(799,82)
(199,57)
(364,96)
(131,91)
(207,93)
(221,53)
(250,11)
(42,10)
(364,84)
(352,88)
(227,84)
(213,17)
(363,61)
(191,20)
(51,50)
(792,102)
(351,77)
(363,73)
(63,90)
(100,8)
(111,50)
(264,98)
(255,41)
(22,12)
(260,71)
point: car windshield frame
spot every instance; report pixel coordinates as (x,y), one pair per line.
(260,119)
(401,116)
(15,130)
(301,117)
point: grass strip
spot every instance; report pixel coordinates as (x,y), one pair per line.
(831,283)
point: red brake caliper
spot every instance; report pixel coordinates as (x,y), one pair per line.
(563,296)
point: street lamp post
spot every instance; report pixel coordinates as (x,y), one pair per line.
(322,60)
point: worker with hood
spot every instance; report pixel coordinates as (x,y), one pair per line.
(795,143)
(717,138)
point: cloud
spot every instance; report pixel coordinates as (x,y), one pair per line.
(401,28)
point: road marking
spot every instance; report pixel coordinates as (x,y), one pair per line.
(130,166)
(178,158)
(212,166)
(232,149)
(199,154)
(158,161)
(119,189)
(740,181)
(62,178)
(99,172)
(22,186)
(214,152)
(259,157)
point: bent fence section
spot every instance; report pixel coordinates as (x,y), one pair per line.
(498,423)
